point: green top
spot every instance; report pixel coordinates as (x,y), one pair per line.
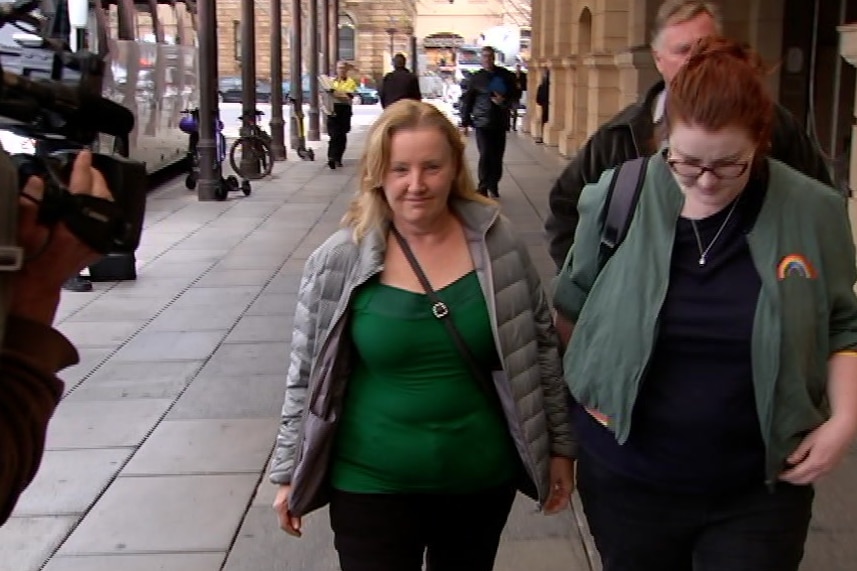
(802,247)
(413,420)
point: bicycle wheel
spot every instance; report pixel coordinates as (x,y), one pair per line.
(260,154)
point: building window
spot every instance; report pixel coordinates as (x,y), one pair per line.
(236,31)
(347,49)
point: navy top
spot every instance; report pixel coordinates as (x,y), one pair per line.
(695,428)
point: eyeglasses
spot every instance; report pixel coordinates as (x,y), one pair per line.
(723,171)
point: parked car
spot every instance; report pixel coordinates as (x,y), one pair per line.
(230,90)
(287,89)
(366,96)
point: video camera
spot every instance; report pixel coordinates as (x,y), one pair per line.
(53,94)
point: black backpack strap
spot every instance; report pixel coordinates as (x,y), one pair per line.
(622,198)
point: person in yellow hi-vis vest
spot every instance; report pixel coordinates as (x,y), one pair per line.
(339,121)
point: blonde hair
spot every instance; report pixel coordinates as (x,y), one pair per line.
(674,12)
(369,209)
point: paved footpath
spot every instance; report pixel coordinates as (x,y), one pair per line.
(157,455)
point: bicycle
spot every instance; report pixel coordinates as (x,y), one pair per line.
(189,124)
(257,144)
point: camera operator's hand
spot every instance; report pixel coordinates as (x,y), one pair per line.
(59,254)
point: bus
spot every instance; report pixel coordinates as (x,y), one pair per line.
(151,55)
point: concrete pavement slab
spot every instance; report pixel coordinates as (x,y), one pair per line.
(226,277)
(833,529)
(213,297)
(245,396)
(173,514)
(151,286)
(69,481)
(262,545)
(191,255)
(90,359)
(162,268)
(245,359)
(204,318)
(154,562)
(170,346)
(103,424)
(205,446)
(274,304)
(116,380)
(27,542)
(249,259)
(543,554)
(119,309)
(264,327)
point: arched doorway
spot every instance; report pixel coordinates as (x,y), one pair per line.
(347,38)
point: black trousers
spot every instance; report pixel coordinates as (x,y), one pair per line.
(491,143)
(393,532)
(338,127)
(637,528)
(513,114)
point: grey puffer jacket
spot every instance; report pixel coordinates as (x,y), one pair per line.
(532,392)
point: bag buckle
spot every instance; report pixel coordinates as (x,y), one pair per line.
(440,310)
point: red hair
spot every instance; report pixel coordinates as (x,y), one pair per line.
(723,85)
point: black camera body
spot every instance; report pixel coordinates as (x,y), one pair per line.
(53,95)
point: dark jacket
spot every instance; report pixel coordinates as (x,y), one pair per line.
(399,84)
(521,81)
(30,356)
(543,97)
(477,109)
(631,134)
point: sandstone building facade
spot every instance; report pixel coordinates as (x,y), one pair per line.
(367,29)
(599,60)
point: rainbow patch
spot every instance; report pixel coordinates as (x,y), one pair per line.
(795,265)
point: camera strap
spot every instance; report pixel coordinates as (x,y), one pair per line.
(11,254)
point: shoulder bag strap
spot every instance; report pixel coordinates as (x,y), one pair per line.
(441,311)
(623,196)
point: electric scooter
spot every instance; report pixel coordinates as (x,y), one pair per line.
(189,124)
(298,112)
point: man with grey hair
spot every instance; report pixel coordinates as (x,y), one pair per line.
(631,133)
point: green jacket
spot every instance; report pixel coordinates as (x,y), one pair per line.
(803,249)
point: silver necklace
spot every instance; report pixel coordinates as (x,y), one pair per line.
(703,254)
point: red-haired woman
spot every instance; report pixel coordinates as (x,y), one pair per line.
(712,358)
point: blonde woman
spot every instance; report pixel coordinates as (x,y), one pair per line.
(417,413)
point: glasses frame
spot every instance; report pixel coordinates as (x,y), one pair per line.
(704,169)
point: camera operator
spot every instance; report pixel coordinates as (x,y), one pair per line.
(32,350)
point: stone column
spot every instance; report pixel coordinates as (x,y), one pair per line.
(278,144)
(561,22)
(249,164)
(534,74)
(296,69)
(557,102)
(313,31)
(637,72)
(209,167)
(603,90)
(568,144)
